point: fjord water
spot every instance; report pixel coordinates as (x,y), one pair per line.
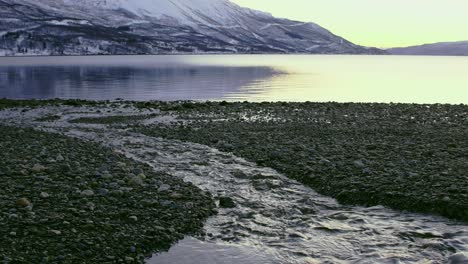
(403,79)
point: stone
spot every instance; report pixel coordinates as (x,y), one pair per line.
(91,206)
(459,258)
(56,232)
(135,181)
(134,218)
(87,193)
(23,202)
(103,191)
(59,158)
(38,168)
(226,202)
(176,195)
(359,164)
(114,185)
(44,195)
(164,188)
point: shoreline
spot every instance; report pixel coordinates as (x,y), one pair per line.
(380,117)
(407,157)
(337,145)
(71,201)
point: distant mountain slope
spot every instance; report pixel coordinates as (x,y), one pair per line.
(79,27)
(459,48)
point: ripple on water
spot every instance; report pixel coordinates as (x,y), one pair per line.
(194,251)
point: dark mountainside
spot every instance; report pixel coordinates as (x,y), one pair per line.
(93,27)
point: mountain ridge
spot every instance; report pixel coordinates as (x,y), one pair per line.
(93,27)
(454,48)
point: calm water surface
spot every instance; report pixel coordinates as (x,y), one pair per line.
(407,79)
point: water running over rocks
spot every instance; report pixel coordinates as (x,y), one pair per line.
(270,218)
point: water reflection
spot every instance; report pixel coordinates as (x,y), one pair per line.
(404,79)
(131,83)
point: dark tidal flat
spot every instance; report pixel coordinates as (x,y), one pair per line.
(405,156)
(68,201)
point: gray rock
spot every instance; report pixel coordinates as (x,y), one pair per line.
(135,181)
(38,168)
(91,206)
(459,258)
(103,192)
(114,185)
(59,158)
(56,232)
(87,193)
(118,192)
(44,195)
(359,163)
(164,188)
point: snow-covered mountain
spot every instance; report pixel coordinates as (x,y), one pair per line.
(459,48)
(55,27)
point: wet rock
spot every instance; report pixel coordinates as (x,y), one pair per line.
(56,232)
(226,202)
(459,258)
(164,188)
(38,168)
(114,185)
(135,181)
(23,202)
(59,158)
(103,192)
(175,195)
(87,193)
(359,164)
(12,216)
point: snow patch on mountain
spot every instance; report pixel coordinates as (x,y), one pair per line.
(157,27)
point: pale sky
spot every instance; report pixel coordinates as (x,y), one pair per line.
(378,23)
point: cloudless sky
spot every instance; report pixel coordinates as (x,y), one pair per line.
(378,23)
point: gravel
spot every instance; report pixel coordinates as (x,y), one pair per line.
(58,210)
(405,156)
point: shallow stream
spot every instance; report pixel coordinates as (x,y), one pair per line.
(276,219)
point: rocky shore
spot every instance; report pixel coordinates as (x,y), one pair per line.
(70,200)
(64,200)
(408,157)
